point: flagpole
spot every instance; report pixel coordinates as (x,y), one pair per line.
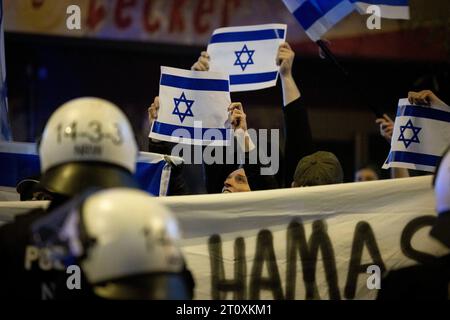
(330,56)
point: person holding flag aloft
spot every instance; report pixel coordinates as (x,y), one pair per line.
(238,122)
(420,132)
(421,98)
(324,166)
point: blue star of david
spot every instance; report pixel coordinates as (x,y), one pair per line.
(414,138)
(188,103)
(238,54)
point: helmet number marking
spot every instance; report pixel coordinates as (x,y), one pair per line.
(69,131)
(95,133)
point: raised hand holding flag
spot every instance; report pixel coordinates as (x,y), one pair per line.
(421,134)
(247,54)
(192,103)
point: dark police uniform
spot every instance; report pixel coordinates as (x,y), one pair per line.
(26,271)
(430,281)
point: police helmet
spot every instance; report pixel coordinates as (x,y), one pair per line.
(124,240)
(87,142)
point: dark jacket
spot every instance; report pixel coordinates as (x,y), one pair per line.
(214,174)
(298,144)
(429,281)
(26,271)
(298,135)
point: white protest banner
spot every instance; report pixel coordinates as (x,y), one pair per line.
(305,242)
(302,242)
(247,54)
(193,107)
(421,134)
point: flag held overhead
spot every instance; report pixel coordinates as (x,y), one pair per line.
(193,107)
(421,134)
(318,16)
(389,9)
(247,54)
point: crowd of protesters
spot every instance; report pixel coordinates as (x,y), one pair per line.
(69,181)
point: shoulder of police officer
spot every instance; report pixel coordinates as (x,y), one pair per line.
(17,232)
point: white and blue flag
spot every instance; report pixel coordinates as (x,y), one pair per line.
(318,16)
(5,131)
(20,160)
(247,54)
(193,107)
(421,134)
(153,172)
(390,9)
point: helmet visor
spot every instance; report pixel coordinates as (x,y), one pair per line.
(72,178)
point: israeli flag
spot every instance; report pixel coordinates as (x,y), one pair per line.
(318,16)
(153,172)
(390,9)
(20,160)
(247,54)
(193,108)
(421,134)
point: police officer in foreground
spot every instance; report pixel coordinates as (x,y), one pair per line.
(429,281)
(87,142)
(124,243)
